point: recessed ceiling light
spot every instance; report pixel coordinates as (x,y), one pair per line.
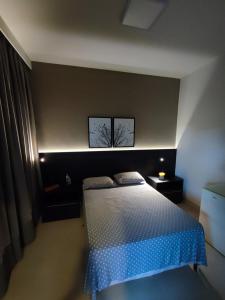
(143,13)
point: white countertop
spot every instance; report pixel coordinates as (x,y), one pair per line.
(218,188)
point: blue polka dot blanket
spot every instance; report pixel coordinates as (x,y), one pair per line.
(134,232)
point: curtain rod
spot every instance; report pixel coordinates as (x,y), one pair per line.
(12,40)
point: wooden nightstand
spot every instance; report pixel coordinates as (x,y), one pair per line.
(171,188)
(61,202)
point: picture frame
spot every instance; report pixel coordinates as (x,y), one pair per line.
(100,132)
(123,132)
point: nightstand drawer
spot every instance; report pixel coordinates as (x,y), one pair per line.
(61,202)
(61,212)
(170,185)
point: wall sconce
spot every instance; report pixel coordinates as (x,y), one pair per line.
(42,159)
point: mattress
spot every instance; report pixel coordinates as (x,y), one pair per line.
(134,232)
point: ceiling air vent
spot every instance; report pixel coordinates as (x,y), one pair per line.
(142,13)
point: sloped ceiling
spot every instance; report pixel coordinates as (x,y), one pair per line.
(189,34)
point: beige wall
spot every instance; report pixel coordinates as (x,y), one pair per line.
(65,96)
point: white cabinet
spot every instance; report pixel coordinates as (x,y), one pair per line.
(212,215)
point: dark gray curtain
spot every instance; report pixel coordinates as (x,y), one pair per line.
(19,168)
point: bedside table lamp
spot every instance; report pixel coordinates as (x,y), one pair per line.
(162,175)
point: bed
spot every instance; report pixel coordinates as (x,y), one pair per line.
(134,232)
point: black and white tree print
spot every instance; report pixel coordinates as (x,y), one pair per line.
(100,134)
(123,132)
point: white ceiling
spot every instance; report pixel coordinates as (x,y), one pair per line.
(189,34)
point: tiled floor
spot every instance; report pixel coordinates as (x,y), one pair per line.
(53,269)
(190,208)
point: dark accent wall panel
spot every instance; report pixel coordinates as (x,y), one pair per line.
(99,163)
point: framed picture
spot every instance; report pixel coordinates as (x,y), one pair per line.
(100,132)
(123,132)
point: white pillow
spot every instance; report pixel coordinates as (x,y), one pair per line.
(129,178)
(98,182)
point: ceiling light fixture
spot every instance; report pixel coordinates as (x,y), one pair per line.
(143,13)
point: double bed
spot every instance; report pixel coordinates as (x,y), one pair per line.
(134,232)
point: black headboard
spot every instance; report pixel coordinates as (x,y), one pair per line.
(80,165)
